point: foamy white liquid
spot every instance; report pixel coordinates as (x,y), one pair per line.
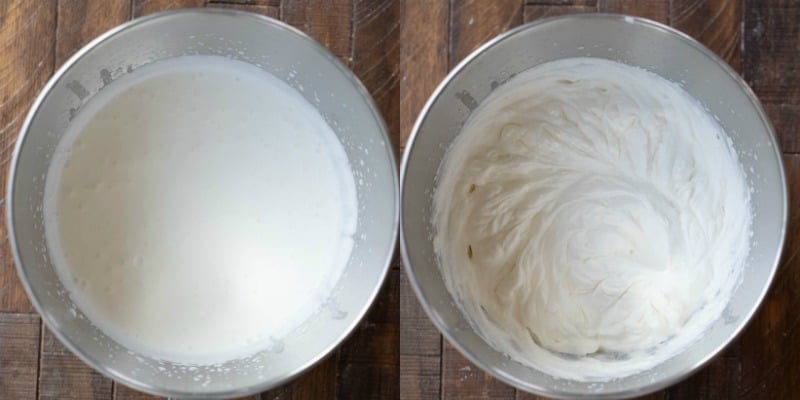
(198,209)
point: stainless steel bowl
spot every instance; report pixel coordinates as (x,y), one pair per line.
(637,42)
(289,55)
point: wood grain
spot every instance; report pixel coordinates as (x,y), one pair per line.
(369,361)
(80,21)
(784,121)
(463,380)
(125,393)
(657,10)
(319,383)
(719,380)
(563,3)
(420,348)
(329,22)
(770,350)
(715,23)
(19,360)
(62,375)
(376,56)
(423,57)
(474,22)
(423,64)
(263,8)
(772,40)
(533,12)
(27,32)
(122,392)
(245,3)
(145,7)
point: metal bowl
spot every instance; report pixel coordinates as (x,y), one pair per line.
(297,60)
(636,42)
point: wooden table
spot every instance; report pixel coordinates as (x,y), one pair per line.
(401,49)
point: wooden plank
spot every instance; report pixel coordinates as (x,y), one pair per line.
(772,48)
(376,56)
(567,3)
(27,32)
(272,11)
(80,21)
(770,354)
(269,3)
(420,348)
(145,7)
(369,360)
(772,40)
(64,376)
(715,23)
(317,383)
(521,395)
(122,392)
(474,22)
(423,64)
(532,12)
(719,380)
(657,10)
(19,358)
(784,121)
(125,393)
(329,22)
(424,59)
(463,380)
(281,393)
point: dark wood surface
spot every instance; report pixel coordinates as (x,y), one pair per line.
(401,49)
(761,40)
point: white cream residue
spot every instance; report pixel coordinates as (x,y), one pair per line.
(200,209)
(591,218)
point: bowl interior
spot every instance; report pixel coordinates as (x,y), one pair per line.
(635,42)
(295,59)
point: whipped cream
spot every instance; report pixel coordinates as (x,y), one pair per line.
(591,219)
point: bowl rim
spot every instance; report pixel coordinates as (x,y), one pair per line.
(476,55)
(271,23)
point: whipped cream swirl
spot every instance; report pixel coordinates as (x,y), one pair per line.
(592,209)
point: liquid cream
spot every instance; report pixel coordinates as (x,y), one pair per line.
(591,218)
(199,209)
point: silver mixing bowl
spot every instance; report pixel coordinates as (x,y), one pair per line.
(291,56)
(633,41)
